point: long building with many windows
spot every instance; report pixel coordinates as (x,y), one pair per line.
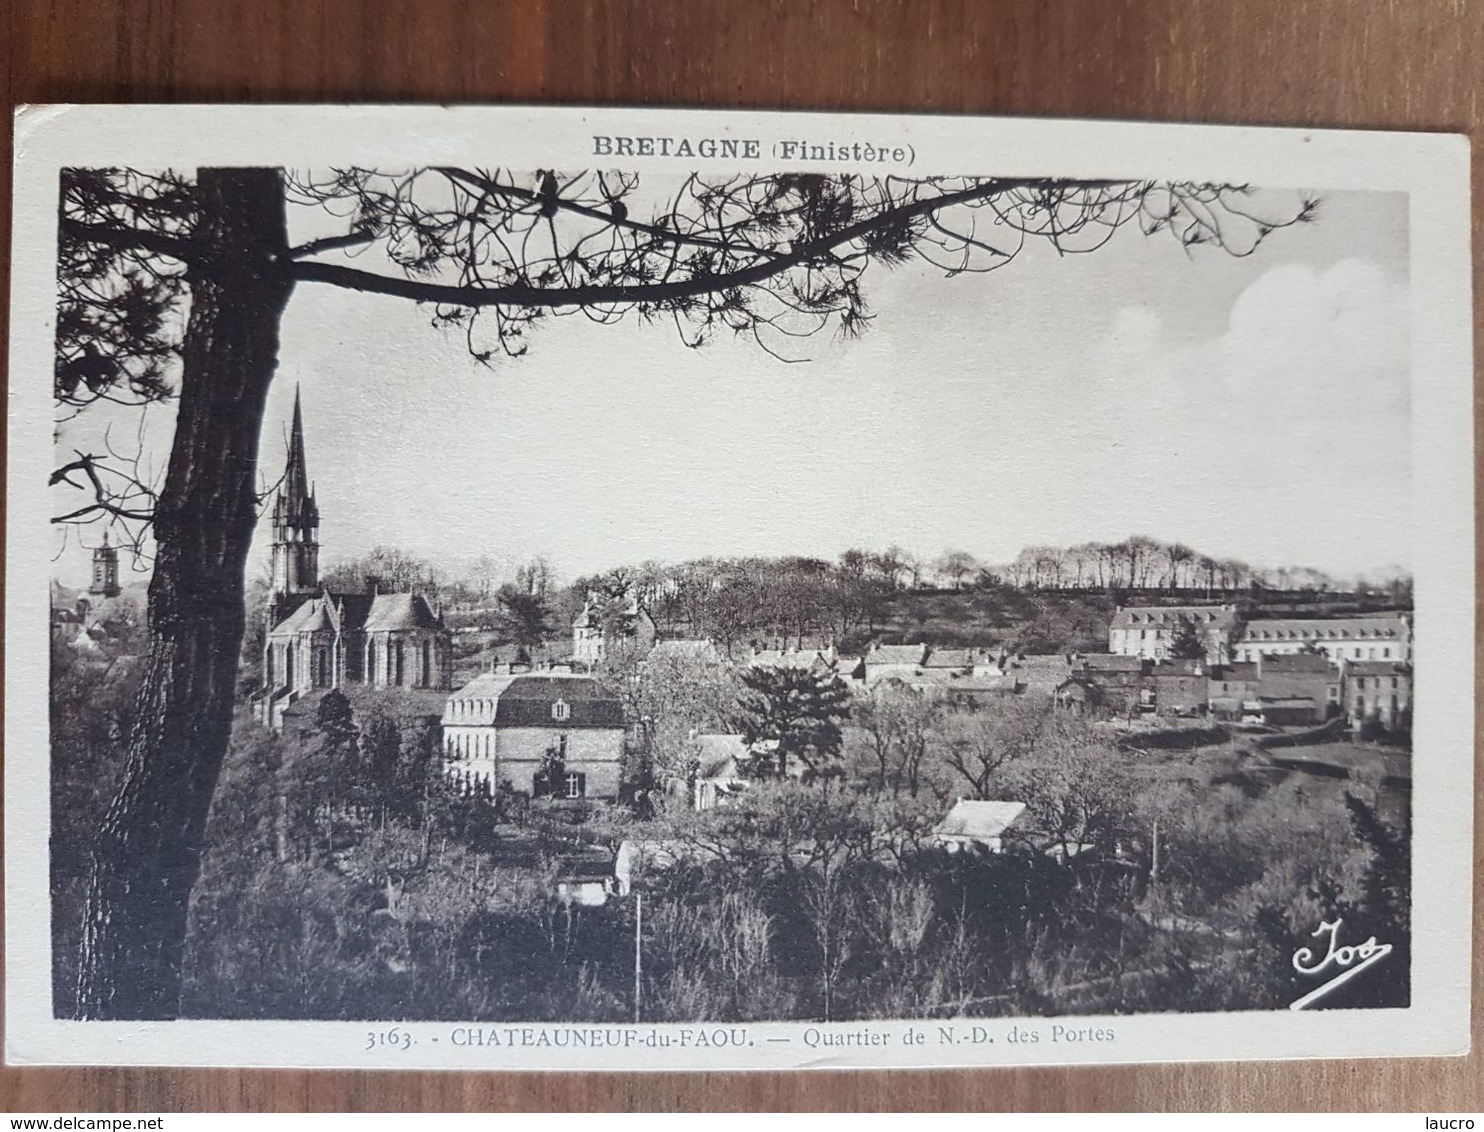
(1382,637)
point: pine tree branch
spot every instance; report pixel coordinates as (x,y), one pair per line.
(600,294)
(117,236)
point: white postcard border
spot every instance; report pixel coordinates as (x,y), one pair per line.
(1432,169)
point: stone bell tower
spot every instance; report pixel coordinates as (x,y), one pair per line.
(105,570)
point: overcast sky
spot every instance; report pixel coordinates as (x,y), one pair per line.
(1255,408)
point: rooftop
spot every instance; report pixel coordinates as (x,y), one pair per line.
(895,654)
(399,611)
(534,699)
(1326,628)
(979,820)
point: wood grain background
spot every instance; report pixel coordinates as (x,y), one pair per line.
(1412,64)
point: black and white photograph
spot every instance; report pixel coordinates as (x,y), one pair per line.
(729,590)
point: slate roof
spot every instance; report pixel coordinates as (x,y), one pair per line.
(310,616)
(1297,663)
(531,700)
(950,658)
(1377,668)
(1133,615)
(971,684)
(980,821)
(895,654)
(1111,662)
(1326,628)
(392,612)
(1169,668)
(786,658)
(1243,672)
(352,612)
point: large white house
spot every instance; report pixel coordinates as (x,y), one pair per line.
(507,728)
(1150,631)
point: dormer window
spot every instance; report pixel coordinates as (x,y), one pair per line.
(561,711)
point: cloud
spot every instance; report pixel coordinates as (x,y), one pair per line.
(1286,438)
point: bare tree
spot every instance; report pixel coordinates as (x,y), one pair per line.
(956,565)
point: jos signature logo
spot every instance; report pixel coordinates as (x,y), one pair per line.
(1347,961)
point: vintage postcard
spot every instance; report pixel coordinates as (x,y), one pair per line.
(627,589)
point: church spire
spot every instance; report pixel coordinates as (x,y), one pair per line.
(295,478)
(295,521)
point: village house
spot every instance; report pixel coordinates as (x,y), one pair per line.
(1177,687)
(1295,676)
(893,662)
(606,623)
(1378,690)
(1230,686)
(718,773)
(975,825)
(965,675)
(822,662)
(1151,631)
(1104,680)
(557,734)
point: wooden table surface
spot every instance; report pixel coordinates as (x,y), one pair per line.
(1413,64)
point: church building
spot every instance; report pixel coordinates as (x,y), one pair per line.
(319,639)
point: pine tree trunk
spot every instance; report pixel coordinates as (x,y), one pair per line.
(148,851)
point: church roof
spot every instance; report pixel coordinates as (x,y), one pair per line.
(308,618)
(358,612)
(399,611)
(352,608)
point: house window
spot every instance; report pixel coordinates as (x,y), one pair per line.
(574,785)
(427,665)
(561,711)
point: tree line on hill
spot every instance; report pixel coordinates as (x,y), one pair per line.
(808,600)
